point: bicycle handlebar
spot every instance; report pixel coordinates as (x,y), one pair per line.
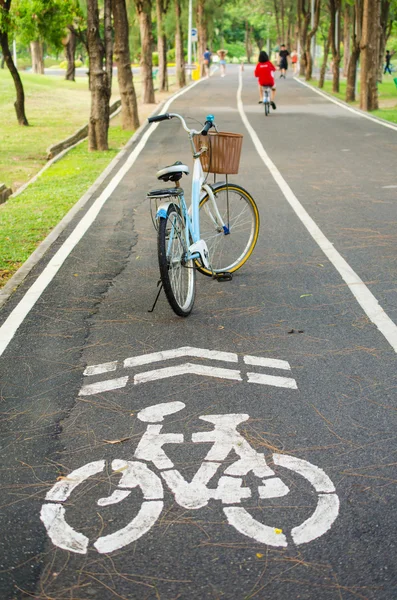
(159,118)
(207,126)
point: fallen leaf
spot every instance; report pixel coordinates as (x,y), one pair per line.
(258,555)
(117,441)
(305,295)
(278,530)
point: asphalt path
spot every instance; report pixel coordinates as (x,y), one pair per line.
(335,408)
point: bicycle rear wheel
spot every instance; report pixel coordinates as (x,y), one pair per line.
(231,247)
(177,274)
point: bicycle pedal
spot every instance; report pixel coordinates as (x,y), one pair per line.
(223,276)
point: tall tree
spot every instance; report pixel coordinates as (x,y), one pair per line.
(327,42)
(5,27)
(42,21)
(310,36)
(369,55)
(334,9)
(202,33)
(129,108)
(100,81)
(70,53)
(179,58)
(161,9)
(355,51)
(346,36)
(144,9)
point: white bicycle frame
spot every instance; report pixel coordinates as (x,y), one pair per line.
(266,93)
(191,215)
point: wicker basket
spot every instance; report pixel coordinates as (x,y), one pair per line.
(223,154)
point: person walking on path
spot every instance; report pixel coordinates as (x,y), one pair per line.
(222,61)
(207,62)
(264,72)
(283,54)
(387,68)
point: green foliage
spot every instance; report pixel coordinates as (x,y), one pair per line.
(44,20)
(171,55)
(64,64)
(155,59)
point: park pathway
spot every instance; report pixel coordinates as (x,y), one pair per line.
(247,451)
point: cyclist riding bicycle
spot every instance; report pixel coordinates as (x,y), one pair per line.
(264,72)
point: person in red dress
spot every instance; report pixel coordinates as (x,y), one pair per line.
(264,72)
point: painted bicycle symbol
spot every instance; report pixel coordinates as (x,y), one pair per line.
(195,494)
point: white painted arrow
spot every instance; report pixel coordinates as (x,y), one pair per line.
(189,368)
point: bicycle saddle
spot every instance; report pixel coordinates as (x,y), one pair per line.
(173,172)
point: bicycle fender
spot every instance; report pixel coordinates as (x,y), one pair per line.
(162,210)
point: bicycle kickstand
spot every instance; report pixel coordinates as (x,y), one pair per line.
(159,283)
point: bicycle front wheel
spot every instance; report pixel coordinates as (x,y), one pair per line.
(267,109)
(177,274)
(229,244)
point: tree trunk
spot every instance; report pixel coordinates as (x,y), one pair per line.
(202,34)
(100,92)
(19,103)
(369,56)
(325,60)
(276,5)
(282,15)
(129,108)
(36,50)
(144,8)
(179,58)
(161,9)
(310,35)
(334,6)
(355,51)
(346,37)
(385,29)
(303,38)
(70,51)
(352,74)
(248,41)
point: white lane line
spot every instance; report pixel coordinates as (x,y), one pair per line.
(103,386)
(187,368)
(285,382)
(359,113)
(145,359)
(98,369)
(364,297)
(17,316)
(274,363)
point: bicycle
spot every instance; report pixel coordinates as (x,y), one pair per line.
(231,490)
(215,236)
(266,99)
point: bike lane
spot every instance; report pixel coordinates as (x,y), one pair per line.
(329,403)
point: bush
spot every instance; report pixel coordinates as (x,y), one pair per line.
(171,55)
(155,59)
(64,64)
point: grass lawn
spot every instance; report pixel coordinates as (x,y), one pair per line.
(55,108)
(27,219)
(387,97)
